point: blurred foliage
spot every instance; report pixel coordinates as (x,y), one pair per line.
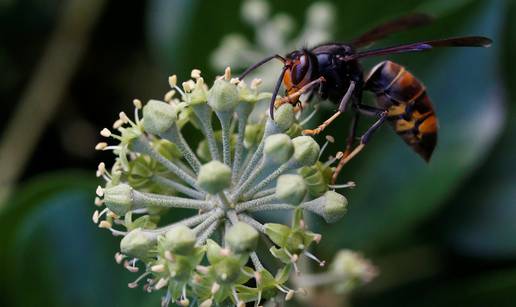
(442,234)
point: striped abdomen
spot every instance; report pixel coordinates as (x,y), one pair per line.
(410,110)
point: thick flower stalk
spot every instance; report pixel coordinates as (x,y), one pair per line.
(212,184)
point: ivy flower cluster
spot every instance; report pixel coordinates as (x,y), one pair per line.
(273,33)
(212,185)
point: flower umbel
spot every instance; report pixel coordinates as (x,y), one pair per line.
(239,168)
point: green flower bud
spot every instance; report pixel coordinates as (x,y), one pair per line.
(253,135)
(167,149)
(119,198)
(291,189)
(278,148)
(295,242)
(141,170)
(355,269)
(138,243)
(158,116)
(180,240)
(242,238)
(284,116)
(223,96)
(214,177)
(295,130)
(181,268)
(213,251)
(306,150)
(227,270)
(335,206)
(198,94)
(317,177)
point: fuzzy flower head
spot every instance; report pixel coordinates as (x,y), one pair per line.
(237,169)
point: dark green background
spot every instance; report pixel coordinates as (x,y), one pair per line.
(442,234)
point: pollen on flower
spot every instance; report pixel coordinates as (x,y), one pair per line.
(241,166)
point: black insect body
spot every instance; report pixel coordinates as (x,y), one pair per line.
(333,71)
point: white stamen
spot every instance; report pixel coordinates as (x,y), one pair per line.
(162,282)
(302,224)
(282,289)
(105,224)
(225,252)
(172,81)
(131,267)
(119,257)
(196,73)
(202,269)
(349,184)
(313,257)
(258,277)
(330,138)
(158,268)
(333,159)
(215,288)
(289,295)
(99,191)
(206,303)
(123,117)
(95,216)
(227,73)
(137,103)
(101,146)
(169,256)
(169,95)
(118,123)
(101,169)
(294,258)
(105,132)
(188,86)
(134,284)
(98,201)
